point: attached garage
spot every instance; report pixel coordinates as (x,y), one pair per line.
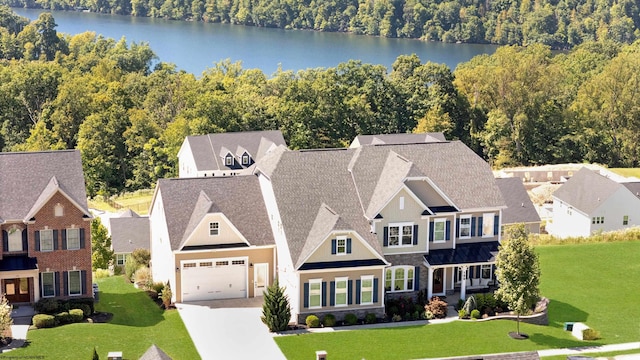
(212,279)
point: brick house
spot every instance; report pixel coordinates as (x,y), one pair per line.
(46,226)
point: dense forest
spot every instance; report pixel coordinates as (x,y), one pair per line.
(521,105)
(556,23)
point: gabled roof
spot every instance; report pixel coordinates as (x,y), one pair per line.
(154,353)
(186,201)
(209,150)
(519,209)
(395,139)
(129,231)
(634,187)
(586,190)
(29,178)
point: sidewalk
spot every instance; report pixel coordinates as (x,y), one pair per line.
(21,321)
(593,349)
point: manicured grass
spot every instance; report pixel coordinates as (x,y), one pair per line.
(138,201)
(137,324)
(587,282)
(627,171)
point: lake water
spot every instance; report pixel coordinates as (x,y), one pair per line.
(197,46)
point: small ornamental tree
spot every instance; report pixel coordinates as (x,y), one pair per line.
(5,315)
(518,272)
(276,312)
(101,253)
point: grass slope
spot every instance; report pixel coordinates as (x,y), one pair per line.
(586,282)
(628,172)
(137,324)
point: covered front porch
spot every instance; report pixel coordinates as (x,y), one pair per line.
(19,279)
(468,267)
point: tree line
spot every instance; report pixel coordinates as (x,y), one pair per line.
(556,23)
(519,106)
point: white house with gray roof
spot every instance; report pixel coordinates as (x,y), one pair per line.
(129,231)
(590,202)
(355,225)
(225,154)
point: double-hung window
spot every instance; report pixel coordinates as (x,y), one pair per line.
(439,230)
(315,293)
(341,291)
(487,224)
(399,278)
(121,259)
(75,285)
(73,239)
(46,240)
(625,220)
(366,290)
(485,271)
(465,227)
(401,234)
(48,284)
(15,240)
(341,245)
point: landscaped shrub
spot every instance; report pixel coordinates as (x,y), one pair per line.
(475,314)
(590,334)
(101,273)
(462,314)
(76,302)
(370,318)
(490,300)
(5,315)
(350,319)
(47,306)
(166,296)
(76,315)
(130,268)
(329,320)
(86,309)
(44,321)
(276,312)
(415,315)
(470,304)
(158,287)
(480,301)
(63,318)
(312,321)
(143,277)
(437,307)
(396,318)
(393,311)
(460,304)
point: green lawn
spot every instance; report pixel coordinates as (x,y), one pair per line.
(138,201)
(627,171)
(137,323)
(588,282)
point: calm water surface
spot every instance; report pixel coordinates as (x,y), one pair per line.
(197,46)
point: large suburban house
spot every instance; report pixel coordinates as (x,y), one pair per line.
(45,223)
(225,154)
(590,202)
(341,229)
(129,231)
(355,225)
(520,209)
(210,238)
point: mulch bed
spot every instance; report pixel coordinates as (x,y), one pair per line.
(100,317)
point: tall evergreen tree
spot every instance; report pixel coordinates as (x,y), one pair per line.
(276,312)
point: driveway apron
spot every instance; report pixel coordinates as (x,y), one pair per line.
(228,332)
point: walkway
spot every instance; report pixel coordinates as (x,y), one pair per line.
(21,316)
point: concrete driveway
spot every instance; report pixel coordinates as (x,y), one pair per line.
(229,329)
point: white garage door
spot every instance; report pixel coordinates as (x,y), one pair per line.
(214,279)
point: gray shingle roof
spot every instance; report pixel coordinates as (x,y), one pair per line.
(586,190)
(154,353)
(349,182)
(209,150)
(24,176)
(129,231)
(519,209)
(238,198)
(634,187)
(404,138)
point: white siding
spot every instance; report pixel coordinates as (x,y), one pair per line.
(186,162)
(161,255)
(227,233)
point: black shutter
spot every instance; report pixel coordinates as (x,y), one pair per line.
(415,234)
(65,280)
(81,238)
(306,295)
(25,240)
(37,234)
(473,226)
(333,246)
(332,293)
(416,282)
(83,280)
(64,239)
(448,230)
(431,231)
(56,284)
(5,241)
(350,292)
(358,289)
(375,290)
(41,284)
(55,239)
(457,228)
(479,226)
(471,268)
(324,293)
(385,237)
(496,223)
(348,245)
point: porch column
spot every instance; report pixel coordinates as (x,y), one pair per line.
(36,287)
(463,283)
(430,284)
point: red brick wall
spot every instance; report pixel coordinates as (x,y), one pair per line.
(62,260)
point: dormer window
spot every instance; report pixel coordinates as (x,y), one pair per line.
(228,160)
(246,159)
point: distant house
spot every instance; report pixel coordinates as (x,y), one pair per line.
(129,231)
(520,209)
(590,202)
(45,223)
(225,154)
(397,139)
(211,239)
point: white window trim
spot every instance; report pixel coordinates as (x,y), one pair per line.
(228,160)
(399,226)
(79,282)
(460,229)
(484,223)
(245,159)
(15,238)
(401,202)
(48,231)
(362,289)
(338,239)
(53,275)
(444,231)
(482,267)
(77,231)
(345,292)
(217,228)
(406,268)
(319,282)
(120,257)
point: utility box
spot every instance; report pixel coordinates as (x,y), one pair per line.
(114,355)
(321,355)
(568,326)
